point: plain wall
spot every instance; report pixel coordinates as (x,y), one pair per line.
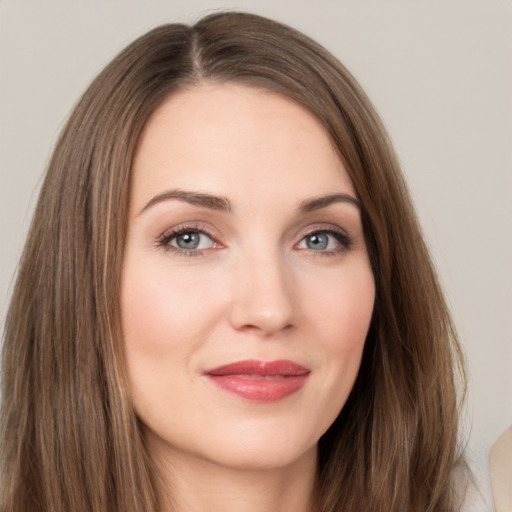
(439,73)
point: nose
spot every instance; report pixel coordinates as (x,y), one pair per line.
(263,297)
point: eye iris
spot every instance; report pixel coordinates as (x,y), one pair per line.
(317,241)
(188,240)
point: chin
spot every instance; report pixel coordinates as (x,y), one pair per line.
(244,445)
(258,457)
(258,447)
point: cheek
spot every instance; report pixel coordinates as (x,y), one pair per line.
(161,310)
(166,317)
(343,308)
(343,313)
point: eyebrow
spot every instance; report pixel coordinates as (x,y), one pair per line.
(223,204)
(318,203)
(195,198)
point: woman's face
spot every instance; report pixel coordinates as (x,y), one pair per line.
(247,291)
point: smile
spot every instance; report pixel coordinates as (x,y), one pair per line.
(264,381)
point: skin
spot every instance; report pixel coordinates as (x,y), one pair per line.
(257,287)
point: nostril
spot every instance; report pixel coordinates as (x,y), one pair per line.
(250,316)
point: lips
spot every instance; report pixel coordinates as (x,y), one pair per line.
(266,381)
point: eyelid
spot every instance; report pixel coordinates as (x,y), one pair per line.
(163,240)
(343,237)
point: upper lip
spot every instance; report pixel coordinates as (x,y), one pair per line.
(282,368)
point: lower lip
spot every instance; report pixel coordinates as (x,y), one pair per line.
(263,389)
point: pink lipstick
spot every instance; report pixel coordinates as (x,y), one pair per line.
(265,381)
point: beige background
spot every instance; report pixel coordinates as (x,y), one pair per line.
(438,71)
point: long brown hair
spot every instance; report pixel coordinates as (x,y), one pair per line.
(70,439)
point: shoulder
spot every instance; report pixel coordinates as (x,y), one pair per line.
(500,460)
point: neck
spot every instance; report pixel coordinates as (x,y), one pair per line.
(196,485)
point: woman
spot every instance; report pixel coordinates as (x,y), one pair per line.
(225,301)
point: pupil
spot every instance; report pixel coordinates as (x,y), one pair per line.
(188,240)
(317,241)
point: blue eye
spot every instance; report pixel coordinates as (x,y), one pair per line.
(186,241)
(325,241)
(317,241)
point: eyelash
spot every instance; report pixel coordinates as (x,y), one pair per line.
(163,242)
(345,241)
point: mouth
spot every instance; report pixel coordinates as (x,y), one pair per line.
(264,381)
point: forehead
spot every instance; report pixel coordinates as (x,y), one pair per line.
(230,138)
